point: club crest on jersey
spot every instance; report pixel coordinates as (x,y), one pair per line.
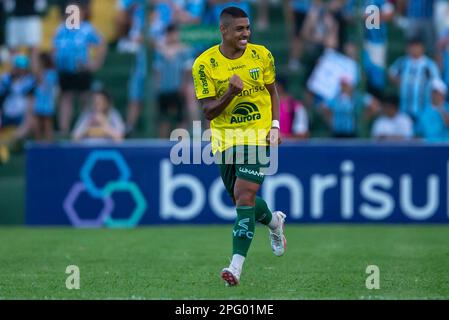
(245,112)
(254,73)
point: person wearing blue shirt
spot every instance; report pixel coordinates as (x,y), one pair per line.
(45,98)
(375,48)
(419,14)
(75,65)
(443,56)
(433,121)
(296,16)
(414,73)
(341,112)
(170,66)
(16,95)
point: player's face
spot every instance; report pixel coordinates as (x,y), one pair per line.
(238,32)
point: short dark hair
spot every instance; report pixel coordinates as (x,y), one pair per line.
(46,60)
(391,100)
(417,39)
(172,27)
(234,12)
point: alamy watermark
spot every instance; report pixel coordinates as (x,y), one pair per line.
(373,15)
(372,20)
(232,146)
(373,280)
(73,21)
(73,280)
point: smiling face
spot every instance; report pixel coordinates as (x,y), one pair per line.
(235,33)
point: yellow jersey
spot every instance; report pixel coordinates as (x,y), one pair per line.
(247,118)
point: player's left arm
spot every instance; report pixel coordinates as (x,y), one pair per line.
(274,137)
(269,75)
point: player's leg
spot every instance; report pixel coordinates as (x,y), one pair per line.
(275,222)
(243,231)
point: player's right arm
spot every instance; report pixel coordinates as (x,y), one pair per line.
(213,107)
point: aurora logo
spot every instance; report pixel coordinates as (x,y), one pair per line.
(245,111)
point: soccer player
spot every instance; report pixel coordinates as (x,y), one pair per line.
(235,84)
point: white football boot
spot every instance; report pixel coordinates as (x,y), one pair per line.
(277,237)
(231,276)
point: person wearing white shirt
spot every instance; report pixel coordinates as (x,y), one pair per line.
(392,124)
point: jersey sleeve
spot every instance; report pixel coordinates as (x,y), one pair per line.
(269,73)
(204,87)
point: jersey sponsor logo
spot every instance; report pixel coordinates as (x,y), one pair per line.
(251,172)
(243,233)
(250,91)
(221,92)
(213,63)
(254,73)
(245,112)
(255,55)
(203,79)
(244,223)
(237,67)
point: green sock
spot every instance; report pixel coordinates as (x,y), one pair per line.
(263,214)
(243,231)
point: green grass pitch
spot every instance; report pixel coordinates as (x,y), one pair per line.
(184,262)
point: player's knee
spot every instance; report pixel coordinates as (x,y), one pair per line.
(245,198)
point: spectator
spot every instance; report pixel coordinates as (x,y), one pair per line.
(292,113)
(75,65)
(216,6)
(342,11)
(44,107)
(341,113)
(23,26)
(136,89)
(441,10)
(296,13)
(319,32)
(433,121)
(375,48)
(263,19)
(393,124)
(443,55)
(16,99)
(100,124)
(320,28)
(170,67)
(188,11)
(130,24)
(161,17)
(414,73)
(419,21)
(166,12)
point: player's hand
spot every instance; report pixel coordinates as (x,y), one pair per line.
(235,85)
(274,137)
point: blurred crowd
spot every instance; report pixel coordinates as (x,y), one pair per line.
(401,99)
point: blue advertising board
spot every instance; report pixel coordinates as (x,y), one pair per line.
(125,185)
